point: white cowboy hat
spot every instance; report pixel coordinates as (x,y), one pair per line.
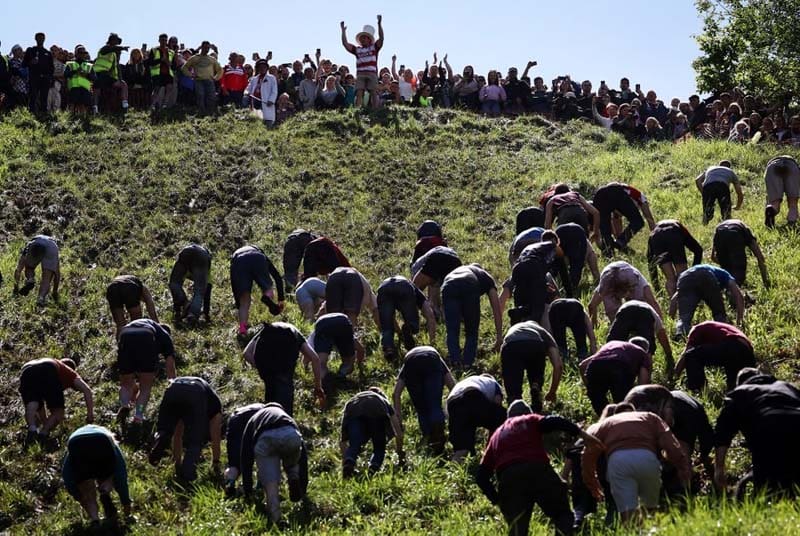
(368,30)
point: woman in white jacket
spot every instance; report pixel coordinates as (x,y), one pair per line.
(263,90)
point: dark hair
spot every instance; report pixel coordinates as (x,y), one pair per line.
(69,362)
(560,188)
(165,36)
(166,328)
(725,163)
(551,236)
(653,398)
(745,374)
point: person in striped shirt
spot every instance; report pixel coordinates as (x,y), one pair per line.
(366,53)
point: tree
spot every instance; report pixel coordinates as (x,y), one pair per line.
(750,44)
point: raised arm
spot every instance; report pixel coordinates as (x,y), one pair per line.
(449,69)
(528,68)
(394,67)
(347,46)
(379,42)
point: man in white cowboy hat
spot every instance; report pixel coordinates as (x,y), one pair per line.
(366,53)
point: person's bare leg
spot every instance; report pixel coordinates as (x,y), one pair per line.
(591,260)
(127,384)
(670,277)
(56,416)
(177,446)
(135,312)
(88,493)
(359,97)
(146,380)
(792,216)
(44,284)
(244,308)
(119,319)
(323,362)
(32,415)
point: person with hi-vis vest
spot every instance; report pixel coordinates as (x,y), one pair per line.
(80,77)
(162,73)
(106,67)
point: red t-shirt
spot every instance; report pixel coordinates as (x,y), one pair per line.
(712,332)
(65,374)
(518,440)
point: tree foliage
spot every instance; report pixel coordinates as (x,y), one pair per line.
(751,44)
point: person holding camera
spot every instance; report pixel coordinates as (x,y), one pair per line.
(106,67)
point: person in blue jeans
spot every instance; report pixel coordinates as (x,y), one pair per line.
(369,416)
(94,462)
(424,374)
(706,283)
(398,294)
(273,352)
(461,292)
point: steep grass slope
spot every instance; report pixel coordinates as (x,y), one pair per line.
(123,198)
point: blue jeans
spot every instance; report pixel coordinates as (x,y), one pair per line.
(461,301)
(426,396)
(360,430)
(205,95)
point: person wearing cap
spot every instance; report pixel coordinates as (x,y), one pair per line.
(429,235)
(731,237)
(194,261)
(162,62)
(190,413)
(767,413)
(271,439)
(39,62)
(614,368)
(369,417)
(705,283)
(516,458)
(249,264)
(714,184)
(126,293)
(44,250)
(94,462)
(366,53)
(205,70)
(43,382)
(80,76)
(782,177)
(109,75)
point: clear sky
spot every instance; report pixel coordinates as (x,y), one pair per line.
(650,41)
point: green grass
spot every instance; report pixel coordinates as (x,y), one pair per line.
(124,197)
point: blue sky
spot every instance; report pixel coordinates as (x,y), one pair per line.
(650,42)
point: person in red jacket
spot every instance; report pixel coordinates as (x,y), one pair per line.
(234,81)
(516,457)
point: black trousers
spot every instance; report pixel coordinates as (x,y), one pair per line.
(716,193)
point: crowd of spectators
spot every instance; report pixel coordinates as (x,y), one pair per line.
(171,74)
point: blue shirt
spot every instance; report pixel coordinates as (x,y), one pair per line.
(723,277)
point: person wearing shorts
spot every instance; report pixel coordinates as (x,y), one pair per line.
(189,414)
(633,440)
(271,438)
(250,265)
(95,462)
(618,198)
(334,330)
(666,249)
(639,318)
(424,375)
(41,249)
(139,346)
(366,53)
(731,237)
(42,383)
(614,368)
(705,283)
(293,250)
(526,347)
(349,292)
(126,293)
(310,295)
(782,177)
(620,281)
(715,344)
(461,292)
(193,261)
(233,443)
(516,457)
(568,313)
(714,185)
(273,352)
(368,417)
(474,402)
(398,294)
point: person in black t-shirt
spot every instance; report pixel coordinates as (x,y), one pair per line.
(39,62)
(274,352)
(398,294)
(250,265)
(126,293)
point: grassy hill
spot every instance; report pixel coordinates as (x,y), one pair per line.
(125,197)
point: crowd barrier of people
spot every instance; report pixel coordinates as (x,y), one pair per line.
(643,443)
(170,74)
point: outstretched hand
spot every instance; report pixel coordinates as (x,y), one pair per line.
(341,24)
(380,19)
